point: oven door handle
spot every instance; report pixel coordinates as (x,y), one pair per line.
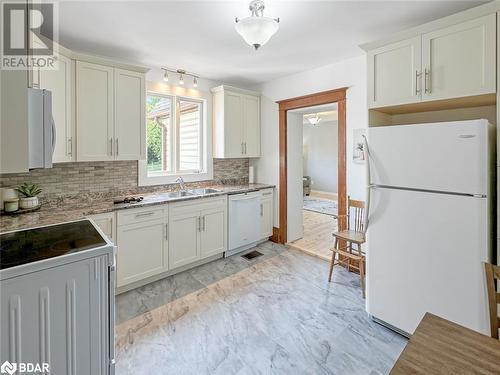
(111,322)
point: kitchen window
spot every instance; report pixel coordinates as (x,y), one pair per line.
(176,143)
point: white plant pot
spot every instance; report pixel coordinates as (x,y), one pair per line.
(28,202)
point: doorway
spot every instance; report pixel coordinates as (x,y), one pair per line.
(312,178)
(333,97)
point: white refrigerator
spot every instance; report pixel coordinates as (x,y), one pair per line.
(429,223)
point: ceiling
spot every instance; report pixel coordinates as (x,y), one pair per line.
(199,36)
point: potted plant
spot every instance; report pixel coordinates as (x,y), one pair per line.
(29,194)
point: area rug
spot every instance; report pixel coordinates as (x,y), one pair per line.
(323,206)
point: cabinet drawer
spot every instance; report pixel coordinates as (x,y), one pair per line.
(198,204)
(267,193)
(138,215)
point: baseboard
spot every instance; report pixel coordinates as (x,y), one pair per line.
(324,194)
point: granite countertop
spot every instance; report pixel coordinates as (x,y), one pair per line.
(48,215)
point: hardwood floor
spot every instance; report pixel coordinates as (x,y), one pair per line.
(317,239)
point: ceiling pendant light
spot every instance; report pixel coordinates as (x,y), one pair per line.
(195,82)
(314,120)
(165,75)
(257,29)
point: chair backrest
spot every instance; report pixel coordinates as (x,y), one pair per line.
(492,274)
(356,211)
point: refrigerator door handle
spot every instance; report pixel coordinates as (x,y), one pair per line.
(366,219)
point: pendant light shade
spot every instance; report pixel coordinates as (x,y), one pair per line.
(256,30)
(314,120)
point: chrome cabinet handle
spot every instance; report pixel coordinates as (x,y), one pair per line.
(261,209)
(199,224)
(116,141)
(427,80)
(144,214)
(245,148)
(242,148)
(417,76)
(111,147)
(70,146)
(203,223)
(166,231)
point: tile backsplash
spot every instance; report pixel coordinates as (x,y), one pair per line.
(115,177)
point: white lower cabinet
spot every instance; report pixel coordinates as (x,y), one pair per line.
(184,239)
(213,232)
(142,244)
(106,223)
(157,241)
(197,230)
(266,213)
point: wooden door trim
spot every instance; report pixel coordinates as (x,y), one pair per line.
(326,97)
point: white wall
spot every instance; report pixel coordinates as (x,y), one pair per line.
(349,73)
(295,223)
(320,150)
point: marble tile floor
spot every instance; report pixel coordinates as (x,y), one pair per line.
(275,314)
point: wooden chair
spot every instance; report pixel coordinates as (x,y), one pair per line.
(347,236)
(492,274)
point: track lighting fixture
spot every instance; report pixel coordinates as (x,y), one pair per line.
(182,74)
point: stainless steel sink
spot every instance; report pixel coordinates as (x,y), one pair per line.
(178,194)
(203,191)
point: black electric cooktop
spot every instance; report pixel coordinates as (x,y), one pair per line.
(31,245)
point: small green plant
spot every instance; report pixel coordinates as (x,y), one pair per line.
(360,146)
(29,190)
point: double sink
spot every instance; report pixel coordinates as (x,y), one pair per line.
(189,193)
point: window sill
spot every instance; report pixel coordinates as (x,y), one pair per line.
(145,180)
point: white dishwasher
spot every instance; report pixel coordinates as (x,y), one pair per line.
(244,221)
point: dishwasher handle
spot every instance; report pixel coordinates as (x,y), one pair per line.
(243,198)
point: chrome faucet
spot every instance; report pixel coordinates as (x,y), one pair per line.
(181,183)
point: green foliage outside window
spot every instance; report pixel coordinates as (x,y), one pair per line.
(153,137)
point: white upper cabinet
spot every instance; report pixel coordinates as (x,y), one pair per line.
(394,73)
(460,60)
(130,92)
(251,126)
(110,107)
(449,62)
(232,136)
(94,111)
(236,123)
(60,82)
